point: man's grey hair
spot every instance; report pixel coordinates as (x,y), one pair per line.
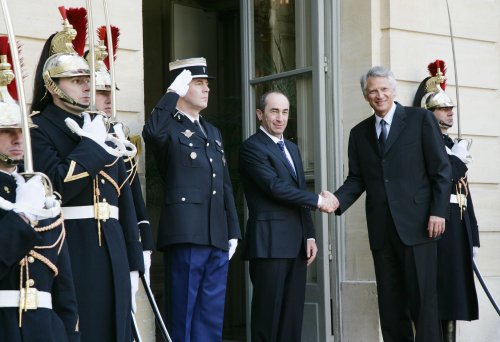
(377,71)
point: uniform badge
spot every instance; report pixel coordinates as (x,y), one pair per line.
(187,133)
(193,155)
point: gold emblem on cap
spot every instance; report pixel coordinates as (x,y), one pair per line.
(193,155)
(187,133)
(6,189)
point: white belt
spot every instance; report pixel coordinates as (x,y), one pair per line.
(102,211)
(36,299)
(460,199)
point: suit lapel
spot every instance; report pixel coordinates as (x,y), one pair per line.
(372,135)
(397,126)
(274,148)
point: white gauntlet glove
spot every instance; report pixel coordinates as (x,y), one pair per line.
(461,150)
(134,285)
(233,243)
(181,83)
(96,130)
(32,201)
(128,149)
(147,265)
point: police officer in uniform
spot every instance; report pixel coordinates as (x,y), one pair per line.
(459,244)
(70,147)
(34,257)
(198,229)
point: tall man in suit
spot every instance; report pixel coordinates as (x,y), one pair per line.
(279,239)
(199,229)
(397,157)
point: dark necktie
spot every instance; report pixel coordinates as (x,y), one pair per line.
(281,145)
(383,135)
(198,126)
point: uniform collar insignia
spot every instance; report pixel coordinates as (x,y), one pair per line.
(187,133)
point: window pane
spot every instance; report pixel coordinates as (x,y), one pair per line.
(281,38)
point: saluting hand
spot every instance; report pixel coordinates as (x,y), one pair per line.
(181,83)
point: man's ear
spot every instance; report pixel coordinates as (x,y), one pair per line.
(260,115)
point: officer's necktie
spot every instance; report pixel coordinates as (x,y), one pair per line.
(281,145)
(197,124)
(383,135)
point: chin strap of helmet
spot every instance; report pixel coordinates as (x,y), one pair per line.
(11,162)
(49,82)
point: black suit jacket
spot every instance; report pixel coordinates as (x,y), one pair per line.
(279,205)
(411,178)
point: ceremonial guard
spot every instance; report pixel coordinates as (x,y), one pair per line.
(37,295)
(459,244)
(71,147)
(198,228)
(104,103)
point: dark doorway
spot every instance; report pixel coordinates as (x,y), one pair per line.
(210,29)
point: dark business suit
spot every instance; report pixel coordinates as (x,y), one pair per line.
(405,184)
(197,219)
(278,226)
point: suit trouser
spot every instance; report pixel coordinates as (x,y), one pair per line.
(196,289)
(278,298)
(407,289)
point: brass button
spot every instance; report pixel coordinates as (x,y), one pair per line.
(103,181)
(213,175)
(31,259)
(30,282)
(214,192)
(183,199)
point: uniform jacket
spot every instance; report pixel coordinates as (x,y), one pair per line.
(278,202)
(17,239)
(102,273)
(456,287)
(411,177)
(199,206)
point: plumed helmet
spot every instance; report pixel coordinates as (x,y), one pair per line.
(10,112)
(431,92)
(65,48)
(102,74)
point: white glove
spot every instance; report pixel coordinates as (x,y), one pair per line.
(181,83)
(95,128)
(30,197)
(134,285)
(118,127)
(233,243)
(147,265)
(461,150)
(475,252)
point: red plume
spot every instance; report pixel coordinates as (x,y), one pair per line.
(432,67)
(5,50)
(115,33)
(77,17)
(62,10)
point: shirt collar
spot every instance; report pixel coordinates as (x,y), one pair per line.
(197,118)
(388,117)
(273,138)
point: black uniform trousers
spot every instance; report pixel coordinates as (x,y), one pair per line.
(407,289)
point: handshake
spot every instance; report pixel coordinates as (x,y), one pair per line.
(328,203)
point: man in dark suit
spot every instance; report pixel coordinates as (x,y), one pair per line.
(279,240)
(397,157)
(198,229)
